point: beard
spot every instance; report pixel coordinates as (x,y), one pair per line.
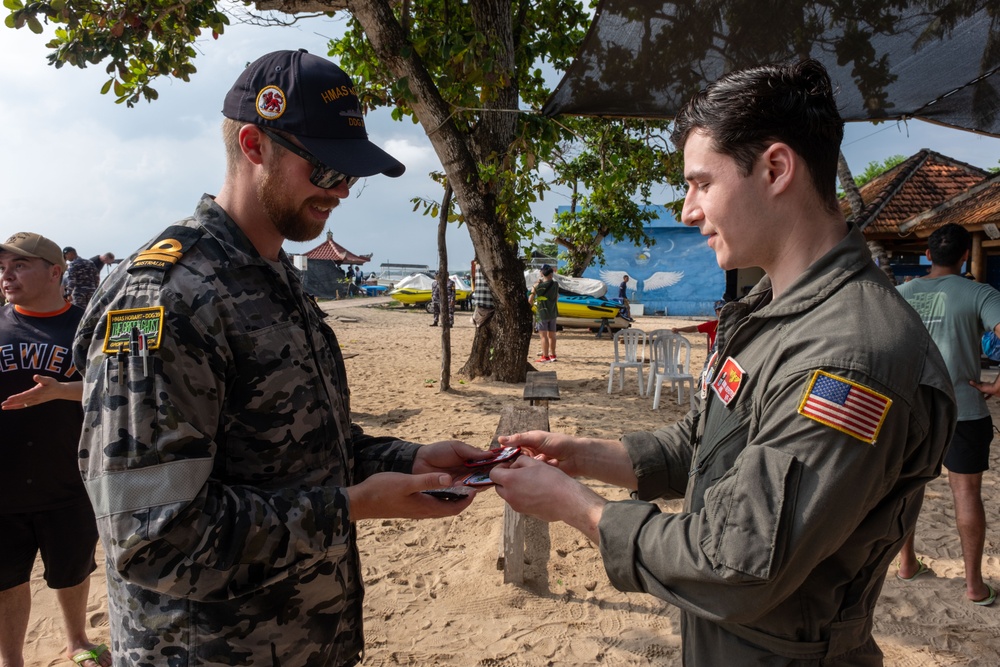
(292,222)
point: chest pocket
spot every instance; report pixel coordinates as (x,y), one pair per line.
(723,437)
(278,425)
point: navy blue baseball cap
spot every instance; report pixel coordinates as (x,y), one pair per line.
(314,100)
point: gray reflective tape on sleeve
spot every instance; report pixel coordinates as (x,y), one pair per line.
(129,490)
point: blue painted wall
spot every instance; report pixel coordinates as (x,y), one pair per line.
(678,274)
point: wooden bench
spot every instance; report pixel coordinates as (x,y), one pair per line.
(540,387)
(514,545)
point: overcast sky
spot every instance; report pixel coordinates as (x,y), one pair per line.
(99,176)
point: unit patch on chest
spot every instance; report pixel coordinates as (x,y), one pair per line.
(728,380)
(844,405)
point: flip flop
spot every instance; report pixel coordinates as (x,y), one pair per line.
(96,652)
(921,569)
(989,599)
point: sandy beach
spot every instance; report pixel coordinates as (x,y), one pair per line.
(434,594)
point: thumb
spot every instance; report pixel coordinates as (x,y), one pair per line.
(431,480)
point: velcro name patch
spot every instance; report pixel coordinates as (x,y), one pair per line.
(149,321)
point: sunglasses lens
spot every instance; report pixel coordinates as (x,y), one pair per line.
(326,178)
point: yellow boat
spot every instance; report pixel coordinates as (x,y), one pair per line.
(416,289)
(410,296)
(587,307)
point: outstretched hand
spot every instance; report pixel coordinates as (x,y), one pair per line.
(556,449)
(396,495)
(531,487)
(47,389)
(448,456)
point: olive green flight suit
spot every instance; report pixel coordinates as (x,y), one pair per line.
(789,523)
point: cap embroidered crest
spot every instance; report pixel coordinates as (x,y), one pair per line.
(271,102)
(308,97)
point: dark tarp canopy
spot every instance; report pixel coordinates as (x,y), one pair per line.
(937,60)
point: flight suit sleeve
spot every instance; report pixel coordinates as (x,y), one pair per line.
(661,458)
(793,496)
(153,466)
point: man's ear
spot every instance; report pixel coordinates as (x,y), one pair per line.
(780,165)
(250,143)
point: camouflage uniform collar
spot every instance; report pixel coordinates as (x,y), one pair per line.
(239,249)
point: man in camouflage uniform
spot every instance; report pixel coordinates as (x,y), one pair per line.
(218,449)
(825,411)
(437,307)
(82,278)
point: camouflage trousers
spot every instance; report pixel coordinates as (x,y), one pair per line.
(437,307)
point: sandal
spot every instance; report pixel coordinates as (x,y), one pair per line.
(989,599)
(95,654)
(921,569)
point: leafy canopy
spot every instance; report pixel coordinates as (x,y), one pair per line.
(471,73)
(144,40)
(613,164)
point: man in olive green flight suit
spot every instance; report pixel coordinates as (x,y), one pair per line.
(825,410)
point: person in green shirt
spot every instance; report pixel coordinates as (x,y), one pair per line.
(545,298)
(956,312)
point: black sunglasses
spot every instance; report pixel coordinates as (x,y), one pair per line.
(322,176)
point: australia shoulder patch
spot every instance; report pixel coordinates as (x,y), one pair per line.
(166,251)
(844,405)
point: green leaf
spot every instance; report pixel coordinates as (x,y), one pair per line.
(34,25)
(107,86)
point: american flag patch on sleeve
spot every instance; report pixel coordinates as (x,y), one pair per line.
(846,406)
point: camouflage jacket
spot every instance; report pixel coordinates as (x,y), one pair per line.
(217,471)
(81,281)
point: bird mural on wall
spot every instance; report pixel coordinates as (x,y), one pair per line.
(649,283)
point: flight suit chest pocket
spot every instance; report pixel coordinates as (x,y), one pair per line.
(724,436)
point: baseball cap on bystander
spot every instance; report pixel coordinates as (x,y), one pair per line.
(28,244)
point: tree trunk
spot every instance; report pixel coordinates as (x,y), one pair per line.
(857,204)
(444,303)
(881,259)
(850,187)
(460,155)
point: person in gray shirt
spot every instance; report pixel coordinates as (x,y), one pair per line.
(956,312)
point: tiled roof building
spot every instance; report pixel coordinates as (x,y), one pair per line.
(333,251)
(903,206)
(923,181)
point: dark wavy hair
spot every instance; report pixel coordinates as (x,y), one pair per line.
(948,243)
(746,111)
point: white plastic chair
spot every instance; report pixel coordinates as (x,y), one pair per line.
(656,351)
(671,362)
(630,352)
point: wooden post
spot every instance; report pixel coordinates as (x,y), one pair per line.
(977,258)
(517,419)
